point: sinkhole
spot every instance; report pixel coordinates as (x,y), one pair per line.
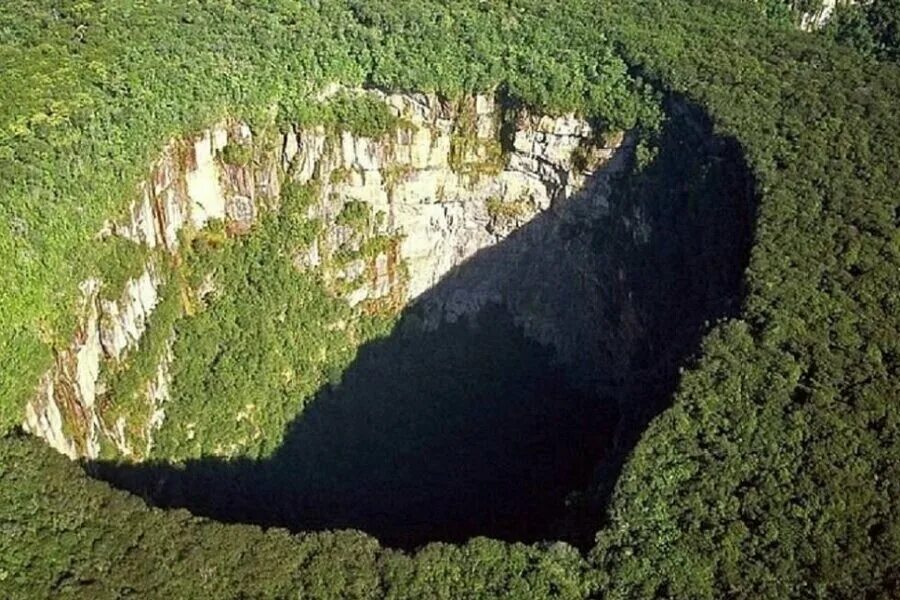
(507,393)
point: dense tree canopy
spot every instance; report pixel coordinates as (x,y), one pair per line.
(872,28)
(773,474)
(780,452)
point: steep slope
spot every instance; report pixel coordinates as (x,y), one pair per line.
(773,474)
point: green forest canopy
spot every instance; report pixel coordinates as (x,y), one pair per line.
(871,27)
(775,472)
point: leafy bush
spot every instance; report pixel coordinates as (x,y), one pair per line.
(238,155)
(355,214)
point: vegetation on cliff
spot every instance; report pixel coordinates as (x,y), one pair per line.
(268,338)
(870,27)
(94,92)
(773,474)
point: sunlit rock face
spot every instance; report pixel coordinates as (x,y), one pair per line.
(539,284)
(818,18)
(446,198)
(453,181)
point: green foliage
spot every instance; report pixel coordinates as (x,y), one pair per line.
(296,198)
(644,154)
(498,209)
(120,260)
(268,337)
(773,475)
(768,476)
(238,155)
(126,382)
(74,548)
(395,174)
(779,11)
(340,175)
(469,154)
(377,244)
(355,214)
(883,17)
(92,92)
(360,114)
(789,13)
(85,540)
(872,28)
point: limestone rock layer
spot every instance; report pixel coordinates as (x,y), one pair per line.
(447,184)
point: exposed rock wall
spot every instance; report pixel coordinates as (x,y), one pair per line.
(819,18)
(448,198)
(182,190)
(442,187)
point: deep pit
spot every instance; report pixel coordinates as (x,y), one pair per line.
(508,392)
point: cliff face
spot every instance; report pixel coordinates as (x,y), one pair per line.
(810,21)
(451,181)
(183,192)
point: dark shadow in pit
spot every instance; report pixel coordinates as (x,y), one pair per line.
(506,400)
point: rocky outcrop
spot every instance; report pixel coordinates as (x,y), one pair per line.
(817,19)
(183,190)
(441,187)
(445,196)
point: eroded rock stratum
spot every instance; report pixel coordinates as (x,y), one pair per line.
(457,324)
(450,182)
